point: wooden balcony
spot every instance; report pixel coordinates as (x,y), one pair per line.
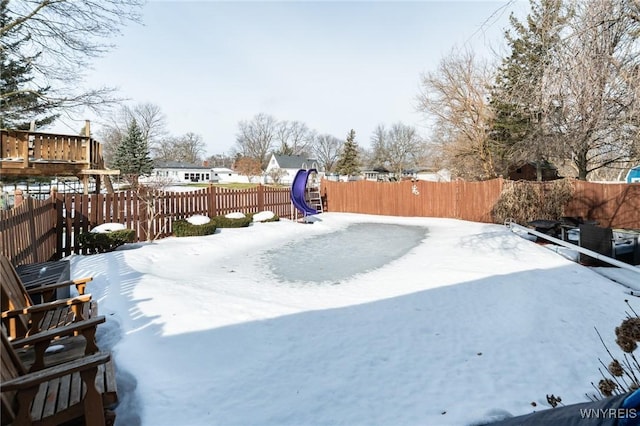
(31,154)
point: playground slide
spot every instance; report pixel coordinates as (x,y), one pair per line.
(298,190)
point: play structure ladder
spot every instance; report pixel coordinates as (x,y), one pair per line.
(315,201)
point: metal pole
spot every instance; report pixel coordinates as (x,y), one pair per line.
(601,257)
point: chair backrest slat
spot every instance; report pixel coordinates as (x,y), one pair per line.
(12,292)
(10,368)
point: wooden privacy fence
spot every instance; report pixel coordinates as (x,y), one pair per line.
(612,205)
(38,231)
(459,199)
(28,232)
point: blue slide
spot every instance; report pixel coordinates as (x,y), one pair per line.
(298,190)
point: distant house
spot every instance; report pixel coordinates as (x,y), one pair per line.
(377,174)
(433,175)
(226,175)
(286,167)
(175,173)
(633,175)
(528,171)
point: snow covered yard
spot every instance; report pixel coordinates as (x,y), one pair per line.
(473,324)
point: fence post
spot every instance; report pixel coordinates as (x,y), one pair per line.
(32,230)
(58,222)
(18,198)
(260,197)
(213,202)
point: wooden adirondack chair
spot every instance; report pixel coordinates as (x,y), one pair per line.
(71,342)
(43,286)
(22,317)
(68,391)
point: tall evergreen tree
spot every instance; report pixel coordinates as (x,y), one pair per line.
(19,105)
(348,163)
(132,156)
(521,97)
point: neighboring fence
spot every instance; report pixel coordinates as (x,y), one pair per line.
(28,232)
(612,205)
(459,199)
(37,231)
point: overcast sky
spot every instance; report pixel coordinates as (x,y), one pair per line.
(332,65)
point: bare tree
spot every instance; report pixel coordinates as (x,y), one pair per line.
(569,91)
(598,87)
(276,175)
(378,155)
(255,138)
(221,160)
(326,149)
(150,119)
(456,96)
(294,137)
(402,147)
(152,195)
(397,148)
(60,38)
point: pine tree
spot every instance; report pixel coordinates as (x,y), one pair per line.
(21,100)
(132,155)
(348,163)
(521,97)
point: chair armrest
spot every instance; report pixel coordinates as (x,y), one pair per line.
(80,284)
(79,300)
(48,335)
(30,380)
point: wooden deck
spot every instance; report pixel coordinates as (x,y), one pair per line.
(37,154)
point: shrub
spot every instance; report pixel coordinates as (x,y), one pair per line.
(101,242)
(182,228)
(621,374)
(525,201)
(225,222)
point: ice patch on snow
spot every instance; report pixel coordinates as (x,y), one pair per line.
(336,256)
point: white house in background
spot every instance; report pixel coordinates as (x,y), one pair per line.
(226,175)
(433,175)
(175,173)
(287,166)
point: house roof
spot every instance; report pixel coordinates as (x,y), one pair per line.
(177,165)
(222,170)
(294,161)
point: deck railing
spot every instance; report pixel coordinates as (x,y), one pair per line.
(19,149)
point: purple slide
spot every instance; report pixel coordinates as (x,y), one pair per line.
(298,190)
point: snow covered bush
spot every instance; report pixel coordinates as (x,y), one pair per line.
(264,216)
(198,219)
(184,228)
(235,215)
(104,241)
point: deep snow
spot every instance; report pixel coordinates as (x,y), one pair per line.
(474,323)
